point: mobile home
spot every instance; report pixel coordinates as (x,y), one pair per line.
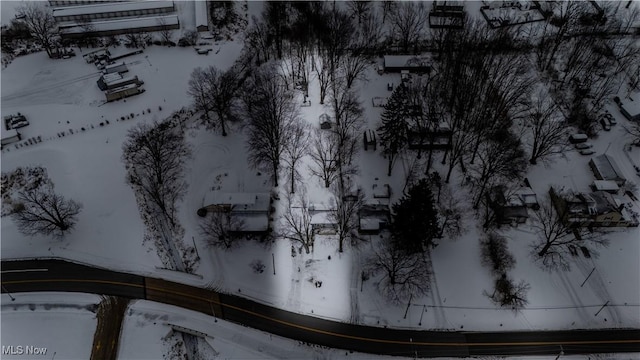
(123,92)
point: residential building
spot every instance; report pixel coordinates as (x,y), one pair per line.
(604,167)
(105,18)
(630,107)
(508,208)
(595,209)
(249,210)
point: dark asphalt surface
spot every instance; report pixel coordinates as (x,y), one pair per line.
(66,276)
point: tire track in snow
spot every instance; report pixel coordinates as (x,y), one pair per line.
(295,292)
(355,276)
(434,294)
(34,91)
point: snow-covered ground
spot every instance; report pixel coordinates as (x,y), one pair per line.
(61,95)
(48,325)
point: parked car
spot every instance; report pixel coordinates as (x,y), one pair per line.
(578,138)
(610,118)
(583,146)
(605,124)
(587,152)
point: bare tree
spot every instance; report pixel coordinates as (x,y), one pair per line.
(509,294)
(41,211)
(547,131)
(270,112)
(217,91)
(354,67)
(199,90)
(297,221)
(165,30)
(495,254)
(501,159)
(359,9)
(258,40)
(324,156)
(409,20)
(321,65)
(219,229)
(449,214)
(345,214)
(39,19)
(403,274)
(296,147)
(556,237)
(154,156)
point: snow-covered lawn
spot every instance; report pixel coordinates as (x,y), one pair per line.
(59,96)
(57,325)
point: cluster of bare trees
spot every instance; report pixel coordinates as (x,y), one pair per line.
(39,20)
(496,256)
(154,156)
(587,55)
(273,123)
(216,91)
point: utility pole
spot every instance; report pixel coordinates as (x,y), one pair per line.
(585,280)
(424,308)
(8,293)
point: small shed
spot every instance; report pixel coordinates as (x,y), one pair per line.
(326,123)
(605,185)
(369,138)
(413,63)
(604,167)
(630,108)
(10,136)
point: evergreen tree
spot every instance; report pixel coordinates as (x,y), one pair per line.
(415,219)
(393,131)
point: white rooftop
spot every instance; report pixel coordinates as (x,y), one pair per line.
(122,24)
(632,104)
(110,7)
(605,185)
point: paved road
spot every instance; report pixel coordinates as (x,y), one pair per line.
(110,316)
(58,275)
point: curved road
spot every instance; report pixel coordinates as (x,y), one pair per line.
(59,275)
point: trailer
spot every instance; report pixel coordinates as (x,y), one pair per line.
(109,82)
(123,92)
(10,136)
(124,81)
(115,68)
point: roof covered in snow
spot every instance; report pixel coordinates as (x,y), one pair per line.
(111,7)
(123,24)
(607,167)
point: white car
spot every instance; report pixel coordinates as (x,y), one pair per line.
(583,146)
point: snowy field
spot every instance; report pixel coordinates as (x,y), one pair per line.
(61,95)
(57,325)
